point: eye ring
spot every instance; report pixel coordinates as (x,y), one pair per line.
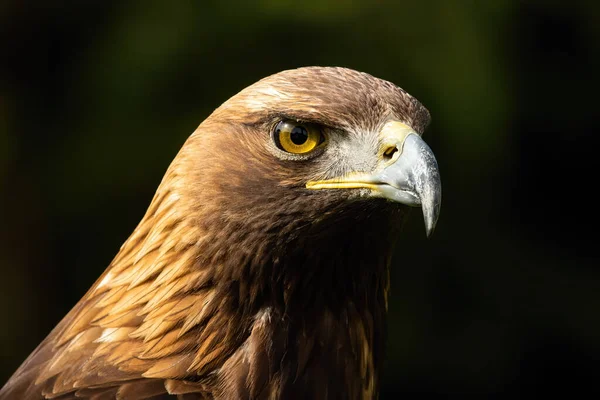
(297,138)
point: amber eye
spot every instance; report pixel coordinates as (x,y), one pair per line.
(297,138)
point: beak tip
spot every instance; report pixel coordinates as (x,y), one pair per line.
(431,216)
(429,228)
(429,232)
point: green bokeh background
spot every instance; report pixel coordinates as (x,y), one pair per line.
(97,97)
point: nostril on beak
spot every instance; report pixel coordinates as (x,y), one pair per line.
(389,152)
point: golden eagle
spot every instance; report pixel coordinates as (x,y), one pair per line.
(260,270)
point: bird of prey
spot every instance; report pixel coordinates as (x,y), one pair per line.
(260,270)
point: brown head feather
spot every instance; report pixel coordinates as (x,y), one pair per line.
(239,282)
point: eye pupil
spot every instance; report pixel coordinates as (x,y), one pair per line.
(299,135)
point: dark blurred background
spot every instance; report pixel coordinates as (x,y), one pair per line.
(97,97)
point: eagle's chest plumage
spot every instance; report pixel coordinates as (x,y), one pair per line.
(326,356)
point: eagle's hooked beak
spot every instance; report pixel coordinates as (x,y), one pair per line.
(407,173)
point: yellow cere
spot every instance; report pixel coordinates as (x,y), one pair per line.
(391,137)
